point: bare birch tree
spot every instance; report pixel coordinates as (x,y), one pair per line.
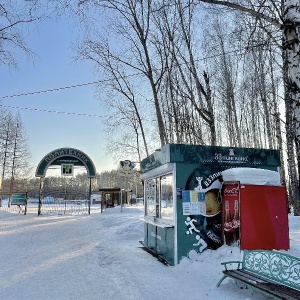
(225,68)
(6,136)
(20,154)
(129,107)
(184,79)
(133,21)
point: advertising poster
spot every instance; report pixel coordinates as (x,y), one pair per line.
(202,210)
(231,214)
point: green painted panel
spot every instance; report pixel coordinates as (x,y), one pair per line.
(224,155)
(19,199)
(160,241)
(205,235)
(250,157)
(158,158)
(151,239)
(165,243)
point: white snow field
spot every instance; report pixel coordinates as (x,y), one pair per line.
(98,256)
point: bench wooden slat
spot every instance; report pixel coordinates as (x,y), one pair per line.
(245,276)
(275,289)
(284,292)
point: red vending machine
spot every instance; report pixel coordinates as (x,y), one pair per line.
(255,212)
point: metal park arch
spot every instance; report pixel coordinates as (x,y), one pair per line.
(59,157)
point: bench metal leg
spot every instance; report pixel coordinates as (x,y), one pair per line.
(220,281)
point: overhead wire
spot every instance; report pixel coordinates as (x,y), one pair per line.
(53,111)
(102,81)
(50,90)
(125,76)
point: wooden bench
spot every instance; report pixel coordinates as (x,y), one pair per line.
(19,199)
(273,273)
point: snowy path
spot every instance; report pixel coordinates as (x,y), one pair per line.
(98,256)
(75,257)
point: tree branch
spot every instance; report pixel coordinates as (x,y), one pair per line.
(242,8)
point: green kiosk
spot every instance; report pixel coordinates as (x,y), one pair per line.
(183,184)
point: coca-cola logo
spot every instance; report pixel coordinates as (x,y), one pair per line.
(234,191)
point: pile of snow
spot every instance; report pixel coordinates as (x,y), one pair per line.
(252,176)
(99,256)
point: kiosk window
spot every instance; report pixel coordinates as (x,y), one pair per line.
(159,197)
(150,191)
(166,199)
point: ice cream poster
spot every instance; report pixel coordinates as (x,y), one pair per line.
(202,206)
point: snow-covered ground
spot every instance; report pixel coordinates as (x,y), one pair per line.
(99,256)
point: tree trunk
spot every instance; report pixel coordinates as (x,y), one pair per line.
(292,49)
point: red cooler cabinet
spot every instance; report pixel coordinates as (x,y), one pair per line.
(263,217)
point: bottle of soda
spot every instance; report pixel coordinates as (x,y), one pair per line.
(228,227)
(236,223)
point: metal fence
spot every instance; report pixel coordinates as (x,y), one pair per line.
(50,206)
(63,207)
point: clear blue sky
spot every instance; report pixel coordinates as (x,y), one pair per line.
(54,68)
